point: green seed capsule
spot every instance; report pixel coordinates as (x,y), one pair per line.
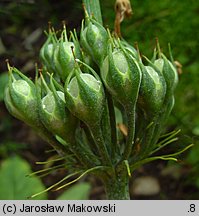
(85,97)
(64,59)
(86,100)
(10,106)
(21,99)
(122,75)
(152,90)
(64,55)
(94,39)
(169,72)
(170,76)
(54,115)
(130,49)
(22,95)
(47,52)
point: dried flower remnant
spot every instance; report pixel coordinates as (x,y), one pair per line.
(178,67)
(122,9)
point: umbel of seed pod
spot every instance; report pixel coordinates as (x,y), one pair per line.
(54,114)
(121,75)
(94,40)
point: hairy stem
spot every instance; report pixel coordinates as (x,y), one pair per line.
(131,132)
(112,124)
(99,140)
(117,184)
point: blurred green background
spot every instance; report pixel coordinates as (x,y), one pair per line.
(22,23)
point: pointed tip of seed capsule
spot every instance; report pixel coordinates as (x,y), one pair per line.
(49,26)
(158,47)
(7,62)
(64,34)
(40,73)
(8,65)
(64,23)
(85,10)
(138,50)
(36,71)
(73,52)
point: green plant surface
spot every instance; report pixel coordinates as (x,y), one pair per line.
(3,83)
(8,146)
(78,191)
(14,182)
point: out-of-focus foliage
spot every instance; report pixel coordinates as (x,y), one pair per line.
(78,191)
(15,184)
(3,83)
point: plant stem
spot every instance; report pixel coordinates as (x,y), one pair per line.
(162,119)
(117,185)
(99,141)
(93,8)
(112,124)
(131,132)
(46,136)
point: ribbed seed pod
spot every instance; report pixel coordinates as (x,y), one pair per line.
(20,98)
(47,52)
(54,114)
(86,100)
(85,97)
(10,106)
(152,90)
(64,55)
(169,72)
(94,40)
(171,78)
(130,49)
(121,75)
